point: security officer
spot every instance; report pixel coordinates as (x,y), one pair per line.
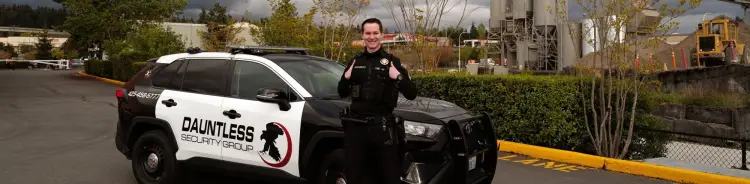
(374,136)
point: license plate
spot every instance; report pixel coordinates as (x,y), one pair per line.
(472,163)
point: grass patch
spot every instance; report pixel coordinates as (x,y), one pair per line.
(703,97)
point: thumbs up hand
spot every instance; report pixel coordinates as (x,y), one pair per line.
(393,72)
(348,73)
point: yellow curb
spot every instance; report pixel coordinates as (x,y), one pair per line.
(669,173)
(120,83)
(552,154)
(617,165)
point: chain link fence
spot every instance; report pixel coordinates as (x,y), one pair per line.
(724,152)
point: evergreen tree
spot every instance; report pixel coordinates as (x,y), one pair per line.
(473,34)
(44,47)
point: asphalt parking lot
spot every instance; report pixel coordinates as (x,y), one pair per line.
(57,127)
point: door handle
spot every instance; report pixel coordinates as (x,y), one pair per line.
(232,114)
(169,103)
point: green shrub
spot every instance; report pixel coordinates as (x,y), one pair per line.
(538,110)
(107,69)
(100,68)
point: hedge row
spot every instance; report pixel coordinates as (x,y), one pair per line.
(121,71)
(538,110)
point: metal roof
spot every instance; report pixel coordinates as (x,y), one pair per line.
(32,30)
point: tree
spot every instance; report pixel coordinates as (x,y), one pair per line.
(144,43)
(221,30)
(5,55)
(94,22)
(610,101)
(481,32)
(285,28)
(44,46)
(8,49)
(22,15)
(473,34)
(26,48)
(333,12)
(58,54)
(422,19)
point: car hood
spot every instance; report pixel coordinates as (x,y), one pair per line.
(422,109)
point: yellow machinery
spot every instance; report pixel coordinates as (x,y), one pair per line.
(717,43)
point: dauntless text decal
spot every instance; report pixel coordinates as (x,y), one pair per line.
(237,132)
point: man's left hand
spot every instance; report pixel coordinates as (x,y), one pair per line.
(393,72)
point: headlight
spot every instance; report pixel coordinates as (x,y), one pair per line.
(422,129)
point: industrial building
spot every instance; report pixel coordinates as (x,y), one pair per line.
(189,32)
(14,36)
(533,36)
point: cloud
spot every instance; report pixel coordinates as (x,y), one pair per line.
(260,8)
(377,9)
(689,19)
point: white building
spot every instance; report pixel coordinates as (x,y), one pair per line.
(191,38)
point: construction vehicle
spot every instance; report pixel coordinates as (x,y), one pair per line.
(717,43)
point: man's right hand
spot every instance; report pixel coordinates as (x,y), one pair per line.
(348,73)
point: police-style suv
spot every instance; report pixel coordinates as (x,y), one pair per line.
(276,114)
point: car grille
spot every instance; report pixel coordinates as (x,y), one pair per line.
(707,43)
(474,135)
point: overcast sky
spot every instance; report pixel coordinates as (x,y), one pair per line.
(260,8)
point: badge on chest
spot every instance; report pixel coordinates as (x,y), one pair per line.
(384,62)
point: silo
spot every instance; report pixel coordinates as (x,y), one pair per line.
(509,9)
(612,35)
(497,13)
(588,37)
(568,54)
(522,53)
(520,7)
(544,16)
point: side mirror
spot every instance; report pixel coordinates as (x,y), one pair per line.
(274,95)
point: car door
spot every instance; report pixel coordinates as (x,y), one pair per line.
(271,131)
(192,106)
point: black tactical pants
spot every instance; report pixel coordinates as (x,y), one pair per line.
(374,155)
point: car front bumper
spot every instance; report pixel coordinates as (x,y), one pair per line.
(469,155)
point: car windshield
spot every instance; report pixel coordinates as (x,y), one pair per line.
(318,76)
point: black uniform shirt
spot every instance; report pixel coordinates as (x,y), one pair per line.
(405,86)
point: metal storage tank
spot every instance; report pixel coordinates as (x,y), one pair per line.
(522,53)
(520,7)
(497,13)
(543,16)
(588,34)
(566,47)
(612,32)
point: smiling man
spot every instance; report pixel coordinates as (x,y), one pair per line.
(374,136)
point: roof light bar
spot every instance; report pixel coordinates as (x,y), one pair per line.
(194,50)
(248,49)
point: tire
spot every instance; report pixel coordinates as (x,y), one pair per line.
(745,55)
(166,171)
(332,168)
(693,60)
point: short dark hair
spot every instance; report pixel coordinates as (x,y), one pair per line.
(372,20)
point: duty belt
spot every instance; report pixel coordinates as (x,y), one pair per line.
(370,119)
